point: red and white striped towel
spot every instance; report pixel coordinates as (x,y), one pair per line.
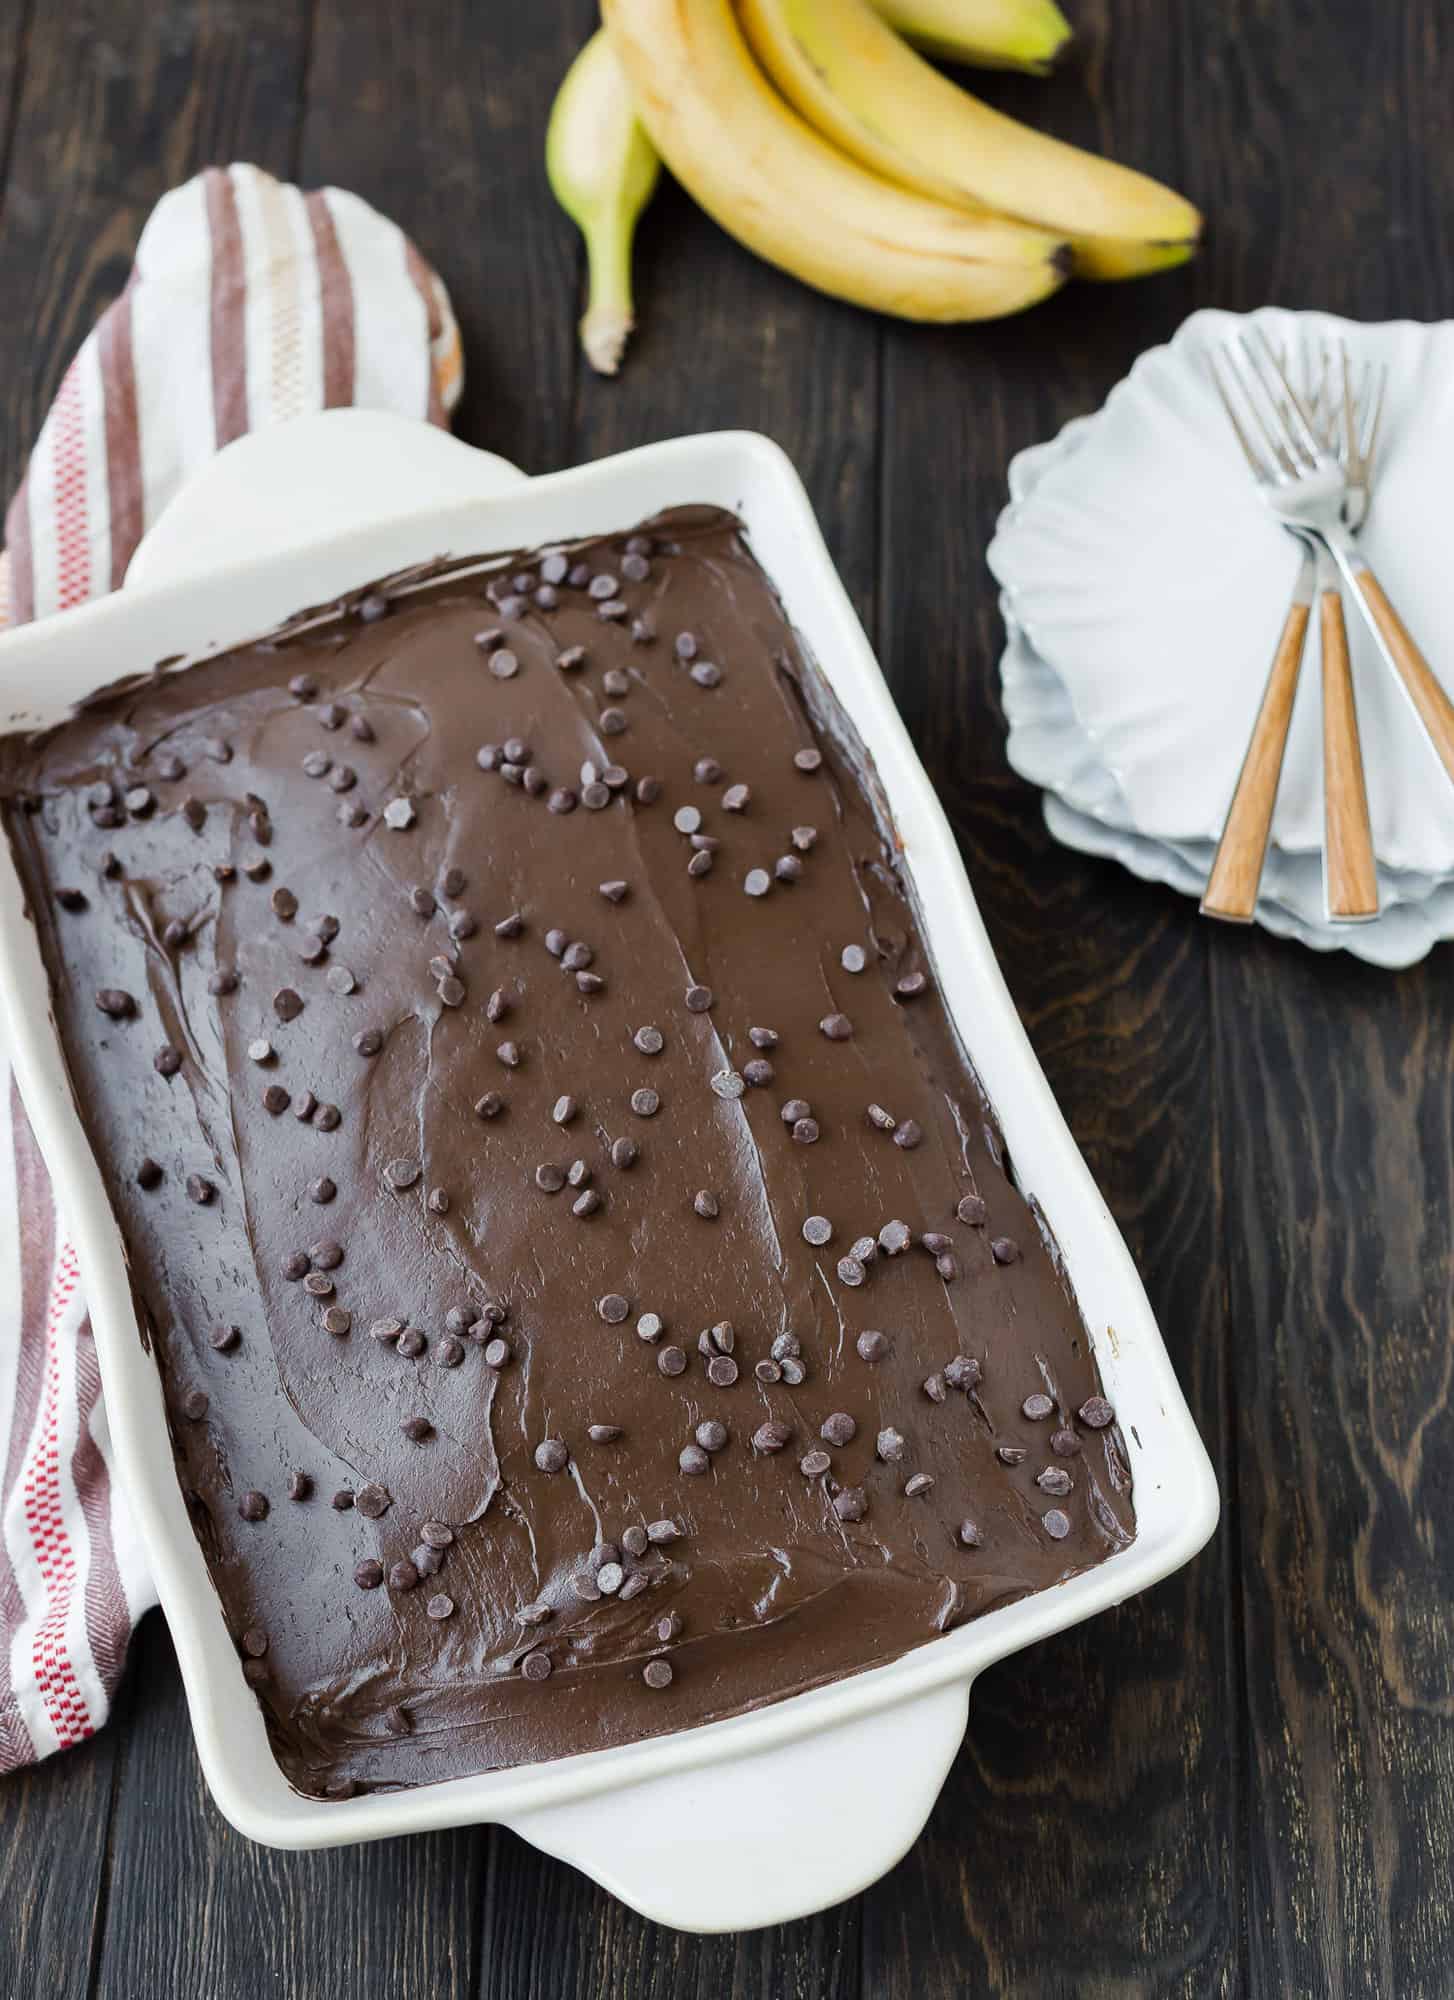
(250,302)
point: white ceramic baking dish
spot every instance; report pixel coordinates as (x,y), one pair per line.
(767,1816)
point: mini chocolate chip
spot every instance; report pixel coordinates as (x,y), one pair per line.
(551,1455)
(671,1361)
(757,882)
(722,1371)
(645,1102)
(851,1504)
(412,1343)
(549,1178)
(699,999)
(361,729)
(1037,1407)
(400,814)
(837,1027)
(417,1429)
(806,1131)
(440,1607)
(450,1351)
(1005,1250)
(603,1433)
(509,1054)
(200,1189)
(700,864)
(872,1345)
(318,1284)
(322,1190)
(908,1135)
(706,1204)
(839,1429)
(115,1004)
(1054,1479)
(1096,1412)
(1011,1454)
(808,759)
(287,1004)
(934,1388)
(1056,1523)
(300,1486)
(586,1203)
(342,1501)
(771,1436)
(195,1405)
(403,1575)
(253,1506)
(693,1460)
(850,1271)
(817,1230)
(650,1326)
(368,1041)
(536,1666)
(498,1353)
(911,985)
(167,1060)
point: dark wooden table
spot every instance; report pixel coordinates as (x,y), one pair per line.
(1242,1782)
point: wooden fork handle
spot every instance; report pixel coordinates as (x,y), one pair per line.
(1432,706)
(1231,891)
(1350,875)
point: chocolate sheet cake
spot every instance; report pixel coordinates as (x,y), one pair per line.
(589,1292)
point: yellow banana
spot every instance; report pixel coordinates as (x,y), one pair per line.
(996,34)
(866,90)
(768,179)
(602,170)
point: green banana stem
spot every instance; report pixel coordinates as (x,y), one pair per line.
(610,312)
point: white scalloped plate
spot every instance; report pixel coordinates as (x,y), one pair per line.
(1086,809)
(1140,561)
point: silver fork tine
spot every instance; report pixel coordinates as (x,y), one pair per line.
(1259,470)
(1255,394)
(1372,412)
(1301,433)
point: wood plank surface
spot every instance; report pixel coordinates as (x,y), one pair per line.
(1243,1781)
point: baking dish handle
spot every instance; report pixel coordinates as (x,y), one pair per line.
(271,491)
(770,1837)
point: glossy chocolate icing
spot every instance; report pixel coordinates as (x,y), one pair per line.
(777,1580)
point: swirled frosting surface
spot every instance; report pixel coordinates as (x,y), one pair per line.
(589,1296)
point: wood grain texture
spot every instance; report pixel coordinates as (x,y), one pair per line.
(1231,891)
(1350,873)
(1243,1781)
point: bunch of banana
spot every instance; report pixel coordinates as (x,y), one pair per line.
(813,132)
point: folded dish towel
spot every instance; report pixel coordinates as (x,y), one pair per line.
(250,302)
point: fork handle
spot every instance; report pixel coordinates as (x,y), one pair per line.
(1350,874)
(1432,706)
(1231,891)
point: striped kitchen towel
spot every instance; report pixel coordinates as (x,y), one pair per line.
(250,302)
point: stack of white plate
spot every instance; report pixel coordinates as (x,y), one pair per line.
(1144,585)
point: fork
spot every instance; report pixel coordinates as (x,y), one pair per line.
(1308,490)
(1350,877)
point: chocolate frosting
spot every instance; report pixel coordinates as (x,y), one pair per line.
(465,1502)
